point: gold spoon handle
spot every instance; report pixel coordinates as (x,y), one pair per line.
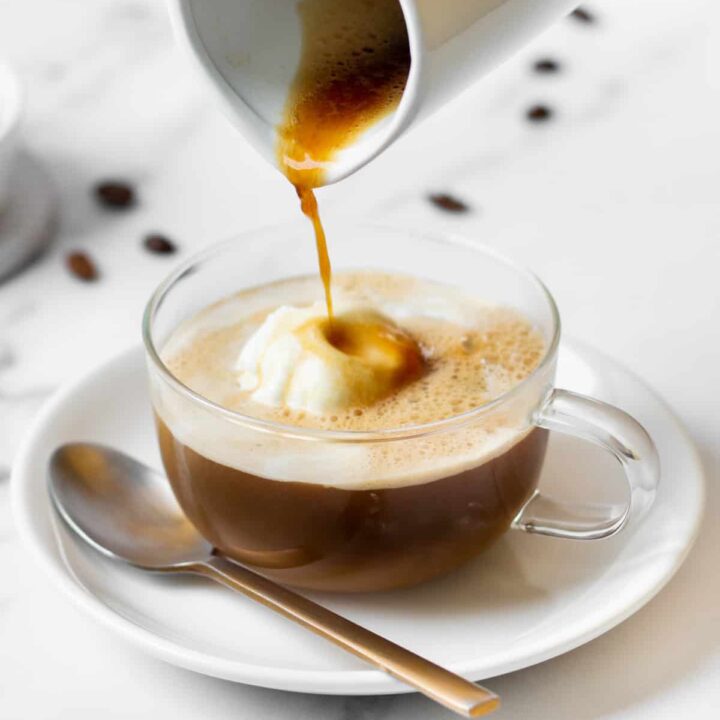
(446,688)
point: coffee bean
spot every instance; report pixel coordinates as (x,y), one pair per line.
(582,15)
(116,195)
(546,66)
(159,244)
(448,203)
(81,266)
(539,113)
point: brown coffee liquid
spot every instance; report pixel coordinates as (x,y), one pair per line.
(354,63)
(352,540)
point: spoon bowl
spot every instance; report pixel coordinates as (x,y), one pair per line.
(123,508)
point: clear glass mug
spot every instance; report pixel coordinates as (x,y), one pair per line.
(298,504)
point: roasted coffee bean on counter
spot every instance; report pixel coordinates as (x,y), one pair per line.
(449,203)
(582,15)
(546,66)
(115,194)
(539,113)
(159,244)
(81,266)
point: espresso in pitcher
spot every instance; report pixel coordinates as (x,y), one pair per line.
(351,516)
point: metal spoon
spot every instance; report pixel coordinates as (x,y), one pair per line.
(128,512)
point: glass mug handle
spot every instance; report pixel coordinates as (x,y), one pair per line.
(613,430)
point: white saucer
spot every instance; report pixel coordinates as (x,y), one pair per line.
(526,600)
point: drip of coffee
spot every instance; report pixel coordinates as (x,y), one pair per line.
(354,64)
(309,206)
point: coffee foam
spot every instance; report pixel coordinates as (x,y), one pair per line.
(347,38)
(475,353)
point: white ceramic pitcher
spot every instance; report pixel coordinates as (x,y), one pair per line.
(248,50)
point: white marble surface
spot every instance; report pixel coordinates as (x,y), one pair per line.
(616,204)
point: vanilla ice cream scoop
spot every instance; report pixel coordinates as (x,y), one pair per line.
(301,360)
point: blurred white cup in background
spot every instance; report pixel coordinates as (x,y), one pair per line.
(10,111)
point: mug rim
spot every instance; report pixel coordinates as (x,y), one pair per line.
(347,436)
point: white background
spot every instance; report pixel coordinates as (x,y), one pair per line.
(616,204)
